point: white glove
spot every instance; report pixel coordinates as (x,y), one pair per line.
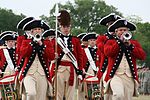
(80,77)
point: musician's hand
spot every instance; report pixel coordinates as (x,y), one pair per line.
(121,38)
(56,56)
(39,42)
(80,77)
(84,72)
(127,43)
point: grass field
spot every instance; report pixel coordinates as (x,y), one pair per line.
(142,97)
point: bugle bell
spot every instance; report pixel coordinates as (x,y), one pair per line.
(127,36)
(37,37)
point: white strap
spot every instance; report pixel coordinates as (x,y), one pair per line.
(90,59)
(8,59)
(67,51)
(65,40)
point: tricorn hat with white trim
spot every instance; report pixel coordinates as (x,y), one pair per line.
(89,36)
(109,18)
(23,22)
(36,24)
(122,23)
(8,35)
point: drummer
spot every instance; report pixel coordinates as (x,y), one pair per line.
(8,57)
(91,59)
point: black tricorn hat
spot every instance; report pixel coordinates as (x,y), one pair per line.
(109,18)
(81,35)
(64,18)
(89,36)
(9,35)
(24,21)
(50,32)
(122,23)
(36,24)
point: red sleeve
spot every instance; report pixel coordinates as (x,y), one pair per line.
(85,59)
(49,50)
(26,48)
(79,54)
(2,58)
(111,48)
(100,39)
(18,45)
(100,42)
(137,51)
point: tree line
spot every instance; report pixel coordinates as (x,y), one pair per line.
(85,15)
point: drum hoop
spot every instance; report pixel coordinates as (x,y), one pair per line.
(92,81)
(10,82)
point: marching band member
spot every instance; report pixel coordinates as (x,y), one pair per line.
(8,56)
(122,53)
(25,35)
(101,40)
(50,35)
(34,75)
(20,38)
(69,59)
(91,61)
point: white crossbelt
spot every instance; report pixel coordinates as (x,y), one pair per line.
(8,59)
(67,52)
(90,59)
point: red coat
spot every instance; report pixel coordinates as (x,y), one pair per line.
(2,58)
(101,40)
(96,58)
(113,51)
(19,42)
(3,62)
(75,47)
(20,59)
(28,51)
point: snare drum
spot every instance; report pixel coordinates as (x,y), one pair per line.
(91,79)
(93,88)
(7,88)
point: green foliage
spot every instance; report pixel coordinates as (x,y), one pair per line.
(9,20)
(143,36)
(77,31)
(85,15)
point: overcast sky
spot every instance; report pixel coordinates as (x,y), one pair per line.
(37,8)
